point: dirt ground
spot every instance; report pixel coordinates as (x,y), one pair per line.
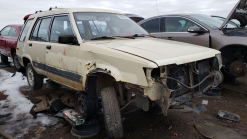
(154,125)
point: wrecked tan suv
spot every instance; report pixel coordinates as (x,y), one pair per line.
(107,57)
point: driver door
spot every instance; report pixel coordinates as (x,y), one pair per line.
(176,28)
(62,59)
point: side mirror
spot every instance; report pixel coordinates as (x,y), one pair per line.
(195,29)
(67,39)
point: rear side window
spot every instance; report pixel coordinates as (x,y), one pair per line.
(5,31)
(25,30)
(34,34)
(12,32)
(43,32)
(152,25)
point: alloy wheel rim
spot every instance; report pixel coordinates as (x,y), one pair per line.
(30,76)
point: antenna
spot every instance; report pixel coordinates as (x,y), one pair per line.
(157,7)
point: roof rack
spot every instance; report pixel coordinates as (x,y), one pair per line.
(51,8)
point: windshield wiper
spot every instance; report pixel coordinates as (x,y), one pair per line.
(134,36)
(102,38)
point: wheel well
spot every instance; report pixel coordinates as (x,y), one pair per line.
(97,81)
(25,61)
(233,52)
(12,51)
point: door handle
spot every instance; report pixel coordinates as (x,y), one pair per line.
(170,38)
(48,47)
(30,44)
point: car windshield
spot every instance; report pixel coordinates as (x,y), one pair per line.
(93,25)
(235,25)
(211,22)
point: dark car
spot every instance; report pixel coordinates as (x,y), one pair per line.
(209,32)
(8,41)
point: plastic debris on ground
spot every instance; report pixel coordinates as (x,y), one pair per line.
(73,117)
(199,108)
(229,116)
(205,102)
(174,134)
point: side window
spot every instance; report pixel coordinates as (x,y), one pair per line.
(61,26)
(5,31)
(12,32)
(43,32)
(25,30)
(152,26)
(177,24)
(34,34)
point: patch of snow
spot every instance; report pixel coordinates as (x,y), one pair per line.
(20,120)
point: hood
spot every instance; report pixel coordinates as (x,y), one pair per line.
(134,17)
(161,52)
(239,12)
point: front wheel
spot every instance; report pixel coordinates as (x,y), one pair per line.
(16,62)
(111,111)
(33,78)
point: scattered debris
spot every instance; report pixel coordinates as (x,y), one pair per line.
(182,108)
(198,108)
(39,130)
(205,102)
(6,135)
(174,134)
(214,131)
(229,116)
(188,103)
(73,117)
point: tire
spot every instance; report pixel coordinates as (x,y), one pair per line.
(33,78)
(16,62)
(4,59)
(111,112)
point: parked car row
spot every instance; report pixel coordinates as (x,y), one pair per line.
(111,61)
(225,36)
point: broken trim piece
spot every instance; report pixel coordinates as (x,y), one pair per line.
(66,74)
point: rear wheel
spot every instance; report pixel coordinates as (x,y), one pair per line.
(16,62)
(4,59)
(33,78)
(111,111)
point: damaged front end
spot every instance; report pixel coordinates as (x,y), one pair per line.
(176,84)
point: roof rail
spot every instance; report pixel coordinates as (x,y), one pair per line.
(51,8)
(54,8)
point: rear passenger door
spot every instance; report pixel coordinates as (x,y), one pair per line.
(176,28)
(153,27)
(37,42)
(62,59)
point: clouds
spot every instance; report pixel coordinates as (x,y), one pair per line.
(13,11)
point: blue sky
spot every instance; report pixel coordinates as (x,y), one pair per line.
(13,11)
